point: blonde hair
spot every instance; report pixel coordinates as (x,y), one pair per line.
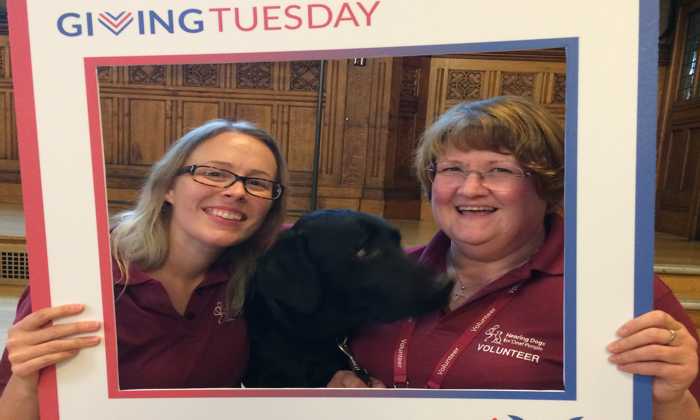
(503,124)
(140,235)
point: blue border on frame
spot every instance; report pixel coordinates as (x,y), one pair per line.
(571,46)
(645,184)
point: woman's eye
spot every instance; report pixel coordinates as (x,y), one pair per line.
(450,169)
(254,182)
(502,170)
(215,174)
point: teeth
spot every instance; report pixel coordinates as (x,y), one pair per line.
(475,208)
(225,214)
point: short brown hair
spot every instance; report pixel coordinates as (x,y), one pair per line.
(504,124)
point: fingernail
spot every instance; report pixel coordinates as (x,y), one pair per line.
(93,325)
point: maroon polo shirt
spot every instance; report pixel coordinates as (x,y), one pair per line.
(520,347)
(159,348)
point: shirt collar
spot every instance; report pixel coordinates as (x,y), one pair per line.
(547,260)
(217,274)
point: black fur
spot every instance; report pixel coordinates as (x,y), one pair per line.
(332,272)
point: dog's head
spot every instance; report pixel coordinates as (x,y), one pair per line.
(338,269)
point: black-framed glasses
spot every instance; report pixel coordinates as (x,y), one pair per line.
(221,178)
(500,177)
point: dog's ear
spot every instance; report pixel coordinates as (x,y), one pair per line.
(287,274)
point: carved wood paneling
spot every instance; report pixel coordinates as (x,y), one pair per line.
(254,75)
(356,127)
(372,117)
(200,75)
(4,65)
(453,80)
(106,74)
(305,75)
(410,81)
(559,89)
(5,68)
(518,84)
(464,84)
(147,75)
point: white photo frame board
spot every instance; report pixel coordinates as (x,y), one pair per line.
(610,161)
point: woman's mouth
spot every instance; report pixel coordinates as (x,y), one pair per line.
(475,209)
(225,214)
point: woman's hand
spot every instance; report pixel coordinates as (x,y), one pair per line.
(347,379)
(657,345)
(35,342)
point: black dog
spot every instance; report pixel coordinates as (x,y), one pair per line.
(332,272)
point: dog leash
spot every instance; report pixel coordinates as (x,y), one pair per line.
(356,368)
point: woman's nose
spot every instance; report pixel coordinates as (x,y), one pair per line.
(237,189)
(473,184)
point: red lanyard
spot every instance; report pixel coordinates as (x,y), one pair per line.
(446,361)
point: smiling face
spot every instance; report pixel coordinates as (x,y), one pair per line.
(211,218)
(487,225)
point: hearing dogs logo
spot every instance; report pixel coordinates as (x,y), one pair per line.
(275,17)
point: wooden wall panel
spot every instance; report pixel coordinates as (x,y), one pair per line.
(149,130)
(372,116)
(679,182)
(6,151)
(453,80)
(109,114)
(356,124)
(260,114)
(678,164)
(300,138)
(193,113)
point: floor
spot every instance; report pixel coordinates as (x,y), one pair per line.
(669,251)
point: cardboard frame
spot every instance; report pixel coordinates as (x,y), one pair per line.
(609,212)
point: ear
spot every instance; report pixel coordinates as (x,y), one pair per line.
(169,196)
(287,274)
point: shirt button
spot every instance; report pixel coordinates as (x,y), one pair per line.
(189,316)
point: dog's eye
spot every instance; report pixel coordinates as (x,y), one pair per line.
(363,254)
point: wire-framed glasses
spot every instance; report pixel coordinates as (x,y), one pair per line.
(500,177)
(221,178)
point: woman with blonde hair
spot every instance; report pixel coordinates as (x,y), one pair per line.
(210,206)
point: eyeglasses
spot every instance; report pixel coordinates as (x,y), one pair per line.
(221,178)
(502,177)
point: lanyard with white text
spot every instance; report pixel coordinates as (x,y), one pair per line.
(440,371)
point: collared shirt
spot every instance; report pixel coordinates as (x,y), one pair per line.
(160,348)
(520,348)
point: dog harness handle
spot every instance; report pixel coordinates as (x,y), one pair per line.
(356,368)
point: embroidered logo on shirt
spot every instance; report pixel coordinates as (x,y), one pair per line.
(219,312)
(503,343)
(493,334)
